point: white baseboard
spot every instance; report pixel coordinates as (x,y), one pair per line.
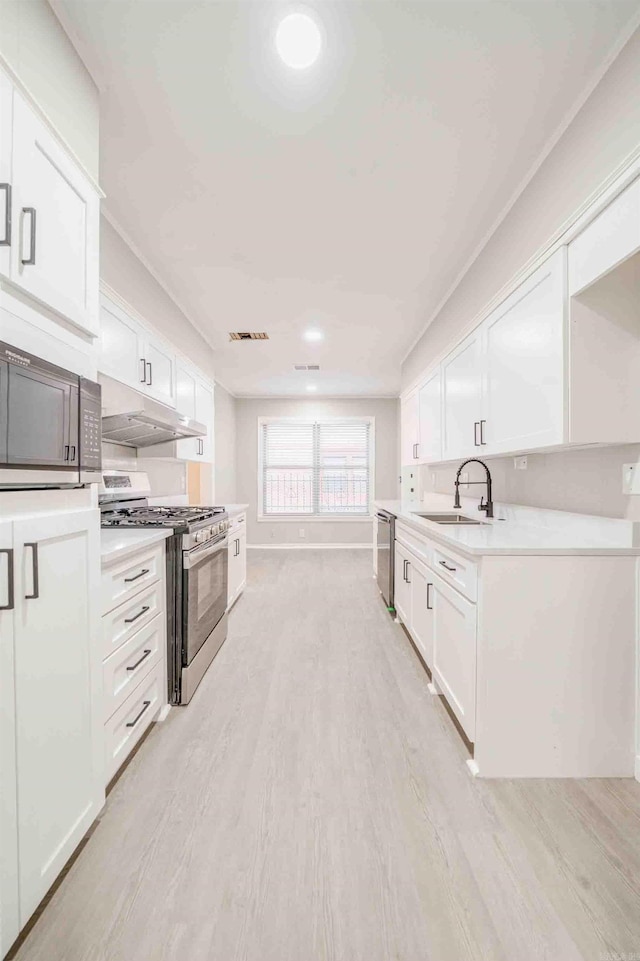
(637,767)
(163,713)
(307,547)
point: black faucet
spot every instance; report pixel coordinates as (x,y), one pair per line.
(482,506)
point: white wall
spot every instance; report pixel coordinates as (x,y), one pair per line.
(603,134)
(225,447)
(316,532)
(127,275)
(36,47)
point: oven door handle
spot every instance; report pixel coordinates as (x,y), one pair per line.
(193,557)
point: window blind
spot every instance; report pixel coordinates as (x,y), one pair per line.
(318,468)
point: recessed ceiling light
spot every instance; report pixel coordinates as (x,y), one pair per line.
(298,41)
(311,388)
(313,335)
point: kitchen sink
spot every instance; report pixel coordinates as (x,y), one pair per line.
(448,518)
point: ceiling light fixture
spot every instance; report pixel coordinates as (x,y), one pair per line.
(313,335)
(298,41)
(311,388)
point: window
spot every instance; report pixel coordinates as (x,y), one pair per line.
(315,468)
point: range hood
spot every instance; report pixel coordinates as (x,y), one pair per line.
(135,420)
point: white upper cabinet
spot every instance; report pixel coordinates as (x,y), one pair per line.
(6,173)
(121,346)
(430,419)
(134,356)
(204,413)
(186,379)
(523,365)
(55,223)
(462,399)
(160,370)
(612,237)
(410,429)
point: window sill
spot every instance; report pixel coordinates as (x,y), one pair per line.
(314,519)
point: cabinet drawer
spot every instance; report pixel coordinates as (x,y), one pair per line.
(125,728)
(123,670)
(123,580)
(125,620)
(239,521)
(457,571)
(419,545)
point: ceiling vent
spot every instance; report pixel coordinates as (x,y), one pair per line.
(306,367)
(246,335)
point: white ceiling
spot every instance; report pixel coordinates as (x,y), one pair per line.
(348,197)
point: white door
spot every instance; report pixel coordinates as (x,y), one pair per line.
(422,610)
(409,430)
(454,652)
(160,370)
(6,173)
(461,398)
(204,413)
(121,346)
(523,395)
(59,722)
(430,419)
(402,585)
(9,883)
(56,223)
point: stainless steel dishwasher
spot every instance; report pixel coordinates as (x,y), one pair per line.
(385,549)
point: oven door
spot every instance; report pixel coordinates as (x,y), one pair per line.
(204,596)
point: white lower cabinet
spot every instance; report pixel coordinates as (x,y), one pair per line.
(237,556)
(52,750)
(454,651)
(442,624)
(134,647)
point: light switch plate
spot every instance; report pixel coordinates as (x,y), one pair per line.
(631,478)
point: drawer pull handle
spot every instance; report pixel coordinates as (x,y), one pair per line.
(36,577)
(136,577)
(130,620)
(139,715)
(446,567)
(132,667)
(9,606)
(429,604)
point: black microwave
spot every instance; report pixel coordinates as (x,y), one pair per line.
(50,424)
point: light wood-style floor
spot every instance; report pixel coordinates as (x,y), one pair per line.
(313,803)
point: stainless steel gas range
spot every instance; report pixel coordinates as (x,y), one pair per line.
(196,556)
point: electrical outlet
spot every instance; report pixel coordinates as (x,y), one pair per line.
(301,532)
(520,463)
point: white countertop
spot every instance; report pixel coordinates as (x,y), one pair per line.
(118,542)
(233,509)
(524,530)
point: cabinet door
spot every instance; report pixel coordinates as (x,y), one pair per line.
(58,691)
(461,398)
(422,610)
(523,391)
(121,346)
(430,419)
(409,430)
(402,585)
(6,173)
(234,572)
(55,253)
(186,379)
(454,652)
(9,884)
(160,363)
(204,413)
